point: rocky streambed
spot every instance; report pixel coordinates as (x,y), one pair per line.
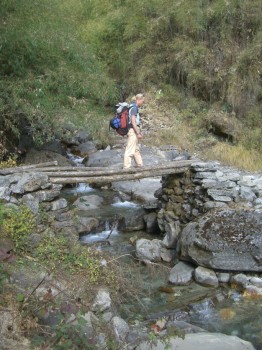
(193,243)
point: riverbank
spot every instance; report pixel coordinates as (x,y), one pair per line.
(52,277)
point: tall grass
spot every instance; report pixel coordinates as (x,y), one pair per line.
(44,67)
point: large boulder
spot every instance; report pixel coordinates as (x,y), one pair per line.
(224,240)
(34,156)
(142,190)
(110,158)
(29,182)
(88,202)
(200,341)
(84,149)
(223,125)
(133,220)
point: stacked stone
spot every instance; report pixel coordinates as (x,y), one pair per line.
(206,186)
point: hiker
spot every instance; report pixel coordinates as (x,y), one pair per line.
(132,148)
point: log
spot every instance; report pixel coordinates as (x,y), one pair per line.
(19,169)
(83,172)
(117,177)
(72,168)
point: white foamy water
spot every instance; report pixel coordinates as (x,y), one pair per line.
(83,188)
(76,159)
(125,204)
(97,237)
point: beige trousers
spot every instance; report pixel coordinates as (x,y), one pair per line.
(132,150)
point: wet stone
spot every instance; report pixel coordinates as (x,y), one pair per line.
(240,280)
(206,276)
(181,274)
(223,277)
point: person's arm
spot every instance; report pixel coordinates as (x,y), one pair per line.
(136,129)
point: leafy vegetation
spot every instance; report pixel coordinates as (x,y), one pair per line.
(67,61)
(18,224)
(48,74)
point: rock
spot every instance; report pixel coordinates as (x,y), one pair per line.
(221,195)
(172,230)
(212,205)
(247,194)
(256,281)
(133,220)
(247,181)
(223,277)
(206,276)
(204,166)
(88,202)
(86,225)
(87,326)
(167,255)
(224,240)
(82,136)
(252,292)
(31,202)
(112,158)
(34,240)
(200,341)
(47,195)
(5,193)
(34,156)
(240,280)
(223,125)
(142,190)
(29,182)
(54,146)
(84,149)
(181,274)
(102,301)
(120,328)
(148,250)
(185,327)
(258,201)
(59,204)
(6,244)
(151,223)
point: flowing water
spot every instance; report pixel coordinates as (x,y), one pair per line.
(216,310)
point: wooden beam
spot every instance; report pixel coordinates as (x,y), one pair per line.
(19,169)
(89,171)
(117,177)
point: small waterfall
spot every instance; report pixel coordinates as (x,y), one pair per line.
(103,235)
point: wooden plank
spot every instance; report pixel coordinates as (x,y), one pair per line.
(117,177)
(7,171)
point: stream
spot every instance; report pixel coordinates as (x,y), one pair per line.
(216,310)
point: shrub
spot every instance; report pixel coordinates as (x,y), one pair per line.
(19,224)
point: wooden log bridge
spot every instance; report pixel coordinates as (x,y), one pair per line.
(74,175)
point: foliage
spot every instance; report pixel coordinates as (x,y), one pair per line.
(9,163)
(18,224)
(59,252)
(70,60)
(44,66)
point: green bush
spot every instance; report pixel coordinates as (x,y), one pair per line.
(18,224)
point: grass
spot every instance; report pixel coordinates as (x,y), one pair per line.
(172,121)
(237,156)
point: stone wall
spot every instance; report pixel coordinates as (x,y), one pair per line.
(184,197)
